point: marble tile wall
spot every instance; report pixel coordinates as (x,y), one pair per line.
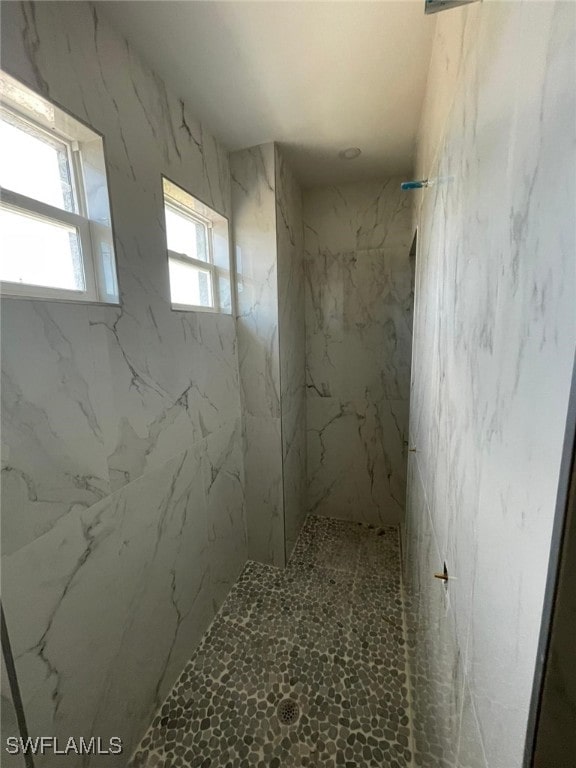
(494,335)
(123,519)
(292,346)
(267,224)
(359,297)
(254,227)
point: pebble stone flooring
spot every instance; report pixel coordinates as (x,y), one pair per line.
(322,642)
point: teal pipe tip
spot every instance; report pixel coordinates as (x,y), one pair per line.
(414,184)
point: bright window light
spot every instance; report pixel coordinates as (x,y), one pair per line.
(51,251)
(190,285)
(56,234)
(186,235)
(36,165)
(198,253)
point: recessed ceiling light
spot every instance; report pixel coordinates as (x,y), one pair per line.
(350,154)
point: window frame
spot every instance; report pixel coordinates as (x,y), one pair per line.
(183,258)
(210,266)
(39,211)
(91,265)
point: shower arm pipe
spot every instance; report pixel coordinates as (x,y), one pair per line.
(420,184)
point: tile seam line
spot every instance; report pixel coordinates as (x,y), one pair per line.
(280,398)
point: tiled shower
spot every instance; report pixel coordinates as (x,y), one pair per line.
(214,502)
(304,666)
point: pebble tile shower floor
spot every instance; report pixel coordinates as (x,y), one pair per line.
(320,645)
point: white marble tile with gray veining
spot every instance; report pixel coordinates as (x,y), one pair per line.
(292,344)
(123,504)
(100,581)
(223,479)
(359,297)
(253,194)
(356,459)
(359,308)
(56,431)
(150,381)
(494,337)
(362,216)
(295,480)
(263,489)
(254,204)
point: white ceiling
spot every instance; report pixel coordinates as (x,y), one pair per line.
(315,76)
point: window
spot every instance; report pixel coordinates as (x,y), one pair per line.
(55,224)
(198,253)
